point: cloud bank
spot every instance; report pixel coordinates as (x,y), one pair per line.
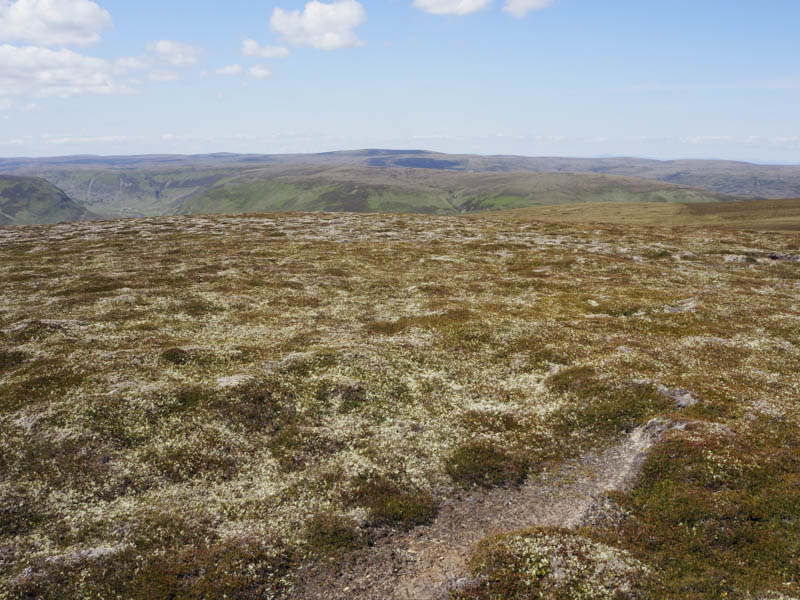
(176,54)
(259,72)
(320,25)
(452,7)
(41,72)
(52,22)
(521,8)
(230,70)
(253,48)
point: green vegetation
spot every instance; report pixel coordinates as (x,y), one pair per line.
(333,535)
(392,504)
(144,180)
(717,511)
(552,565)
(599,406)
(27,200)
(135,192)
(316,196)
(481,463)
(339,182)
(340,189)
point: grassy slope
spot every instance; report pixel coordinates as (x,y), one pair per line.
(316,196)
(133,193)
(359,181)
(359,189)
(198,406)
(765,215)
(30,200)
(724,177)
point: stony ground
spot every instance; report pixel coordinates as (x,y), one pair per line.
(254,406)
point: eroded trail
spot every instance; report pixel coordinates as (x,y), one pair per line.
(425,562)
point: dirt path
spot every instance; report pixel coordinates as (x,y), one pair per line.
(423,563)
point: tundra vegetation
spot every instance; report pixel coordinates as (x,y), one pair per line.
(208,407)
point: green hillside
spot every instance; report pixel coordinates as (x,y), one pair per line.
(134,193)
(277,196)
(132,185)
(32,200)
(363,189)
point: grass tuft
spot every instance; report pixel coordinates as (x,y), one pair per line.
(332,535)
(481,463)
(392,504)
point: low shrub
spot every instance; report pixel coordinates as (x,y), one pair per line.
(483,464)
(393,504)
(601,406)
(551,565)
(176,356)
(333,535)
(11,358)
(717,513)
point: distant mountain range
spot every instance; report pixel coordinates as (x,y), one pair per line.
(390,181)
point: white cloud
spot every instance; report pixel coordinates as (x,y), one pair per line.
(160,76)
(452,7)
(253,48)
(322,26)
(35,71)
(521,8)
(176,53)
(52,22)
(230,70)
(259,72)
(125,64)
(5,104)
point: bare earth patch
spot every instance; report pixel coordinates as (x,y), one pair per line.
(429,561)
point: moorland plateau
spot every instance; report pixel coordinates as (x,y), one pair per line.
(370,406)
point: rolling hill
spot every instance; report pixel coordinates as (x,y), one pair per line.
(32,200)
(409,190)
(144,184)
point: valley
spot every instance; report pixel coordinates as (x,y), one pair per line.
(388,181)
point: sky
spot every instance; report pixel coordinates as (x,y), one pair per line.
(651,78)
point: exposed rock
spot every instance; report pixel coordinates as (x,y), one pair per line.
(733,258)
(232,381)
(686,306)
(683,398)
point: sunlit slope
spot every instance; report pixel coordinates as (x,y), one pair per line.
(133,193)
(358,189)
(133,182)
(316,196)
(31,200)
(761,215)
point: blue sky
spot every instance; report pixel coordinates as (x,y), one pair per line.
(663,79)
